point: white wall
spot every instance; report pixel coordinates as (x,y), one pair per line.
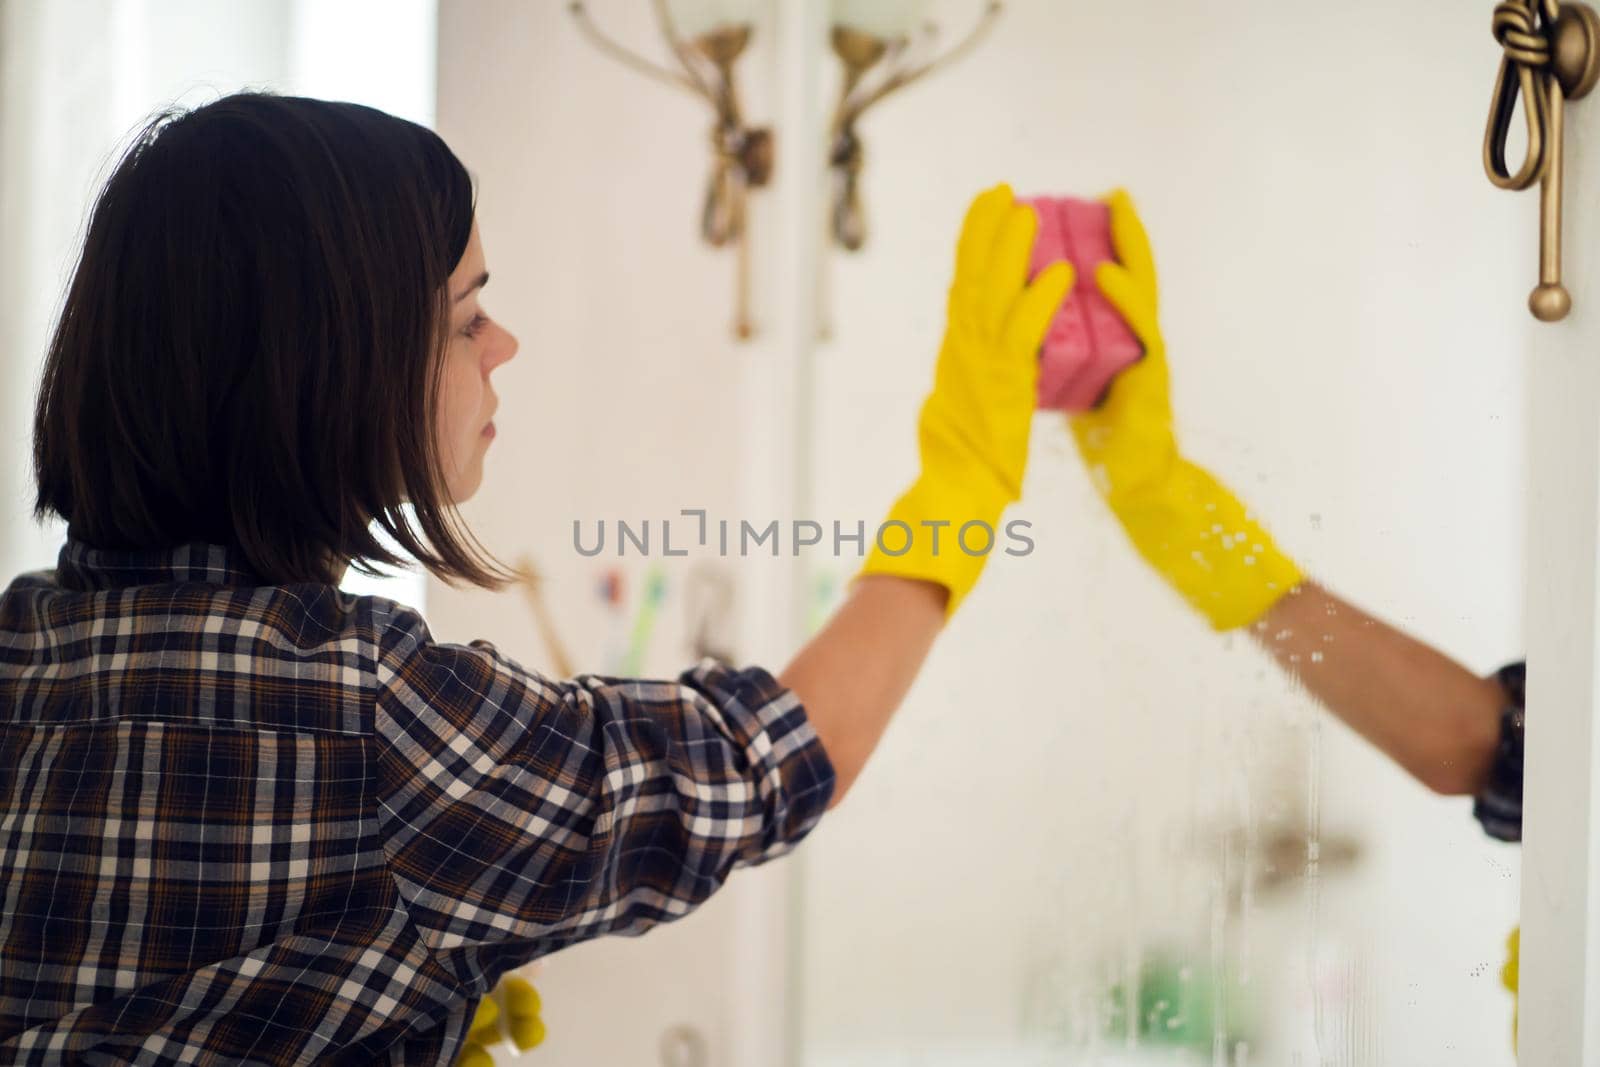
(53,135)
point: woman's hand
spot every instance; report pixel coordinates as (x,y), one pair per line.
(1185,523)
(973,429)
(1127,441)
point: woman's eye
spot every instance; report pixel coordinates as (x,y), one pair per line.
(475,327)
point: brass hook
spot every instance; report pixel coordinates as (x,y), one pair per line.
(1550,54)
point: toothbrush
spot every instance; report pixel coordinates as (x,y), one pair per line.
(644,623)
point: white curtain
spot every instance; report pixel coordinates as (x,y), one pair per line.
(77,77)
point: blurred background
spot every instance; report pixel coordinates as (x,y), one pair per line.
(1097,833)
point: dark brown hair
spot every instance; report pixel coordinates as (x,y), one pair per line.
(250,348)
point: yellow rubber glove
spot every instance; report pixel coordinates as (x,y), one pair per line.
(973,429)
(1510,976)
(1185,524)
(522,1006)
(483,1032)
(522,1012)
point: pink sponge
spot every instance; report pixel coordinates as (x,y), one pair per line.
(1088,343)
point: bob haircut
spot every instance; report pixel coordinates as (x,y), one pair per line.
(251,345)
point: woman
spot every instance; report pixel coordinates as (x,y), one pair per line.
(248,818)
(1456,732)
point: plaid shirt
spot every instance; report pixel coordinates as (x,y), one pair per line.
(1498,805)
(254,824)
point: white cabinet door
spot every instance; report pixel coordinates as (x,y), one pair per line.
(1560,979)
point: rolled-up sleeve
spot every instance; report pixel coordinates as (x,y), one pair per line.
(1498,805)
(520,809)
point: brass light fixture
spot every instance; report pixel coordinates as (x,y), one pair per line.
(714,35)
(1551,54)
(883,46)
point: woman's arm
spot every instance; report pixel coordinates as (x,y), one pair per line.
(1432,716)
(972,439)
(855,672)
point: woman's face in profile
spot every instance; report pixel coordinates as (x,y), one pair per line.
(467,403)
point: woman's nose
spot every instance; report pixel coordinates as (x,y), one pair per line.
(503,351)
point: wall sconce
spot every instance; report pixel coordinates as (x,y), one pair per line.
(707,37)
(883,46)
